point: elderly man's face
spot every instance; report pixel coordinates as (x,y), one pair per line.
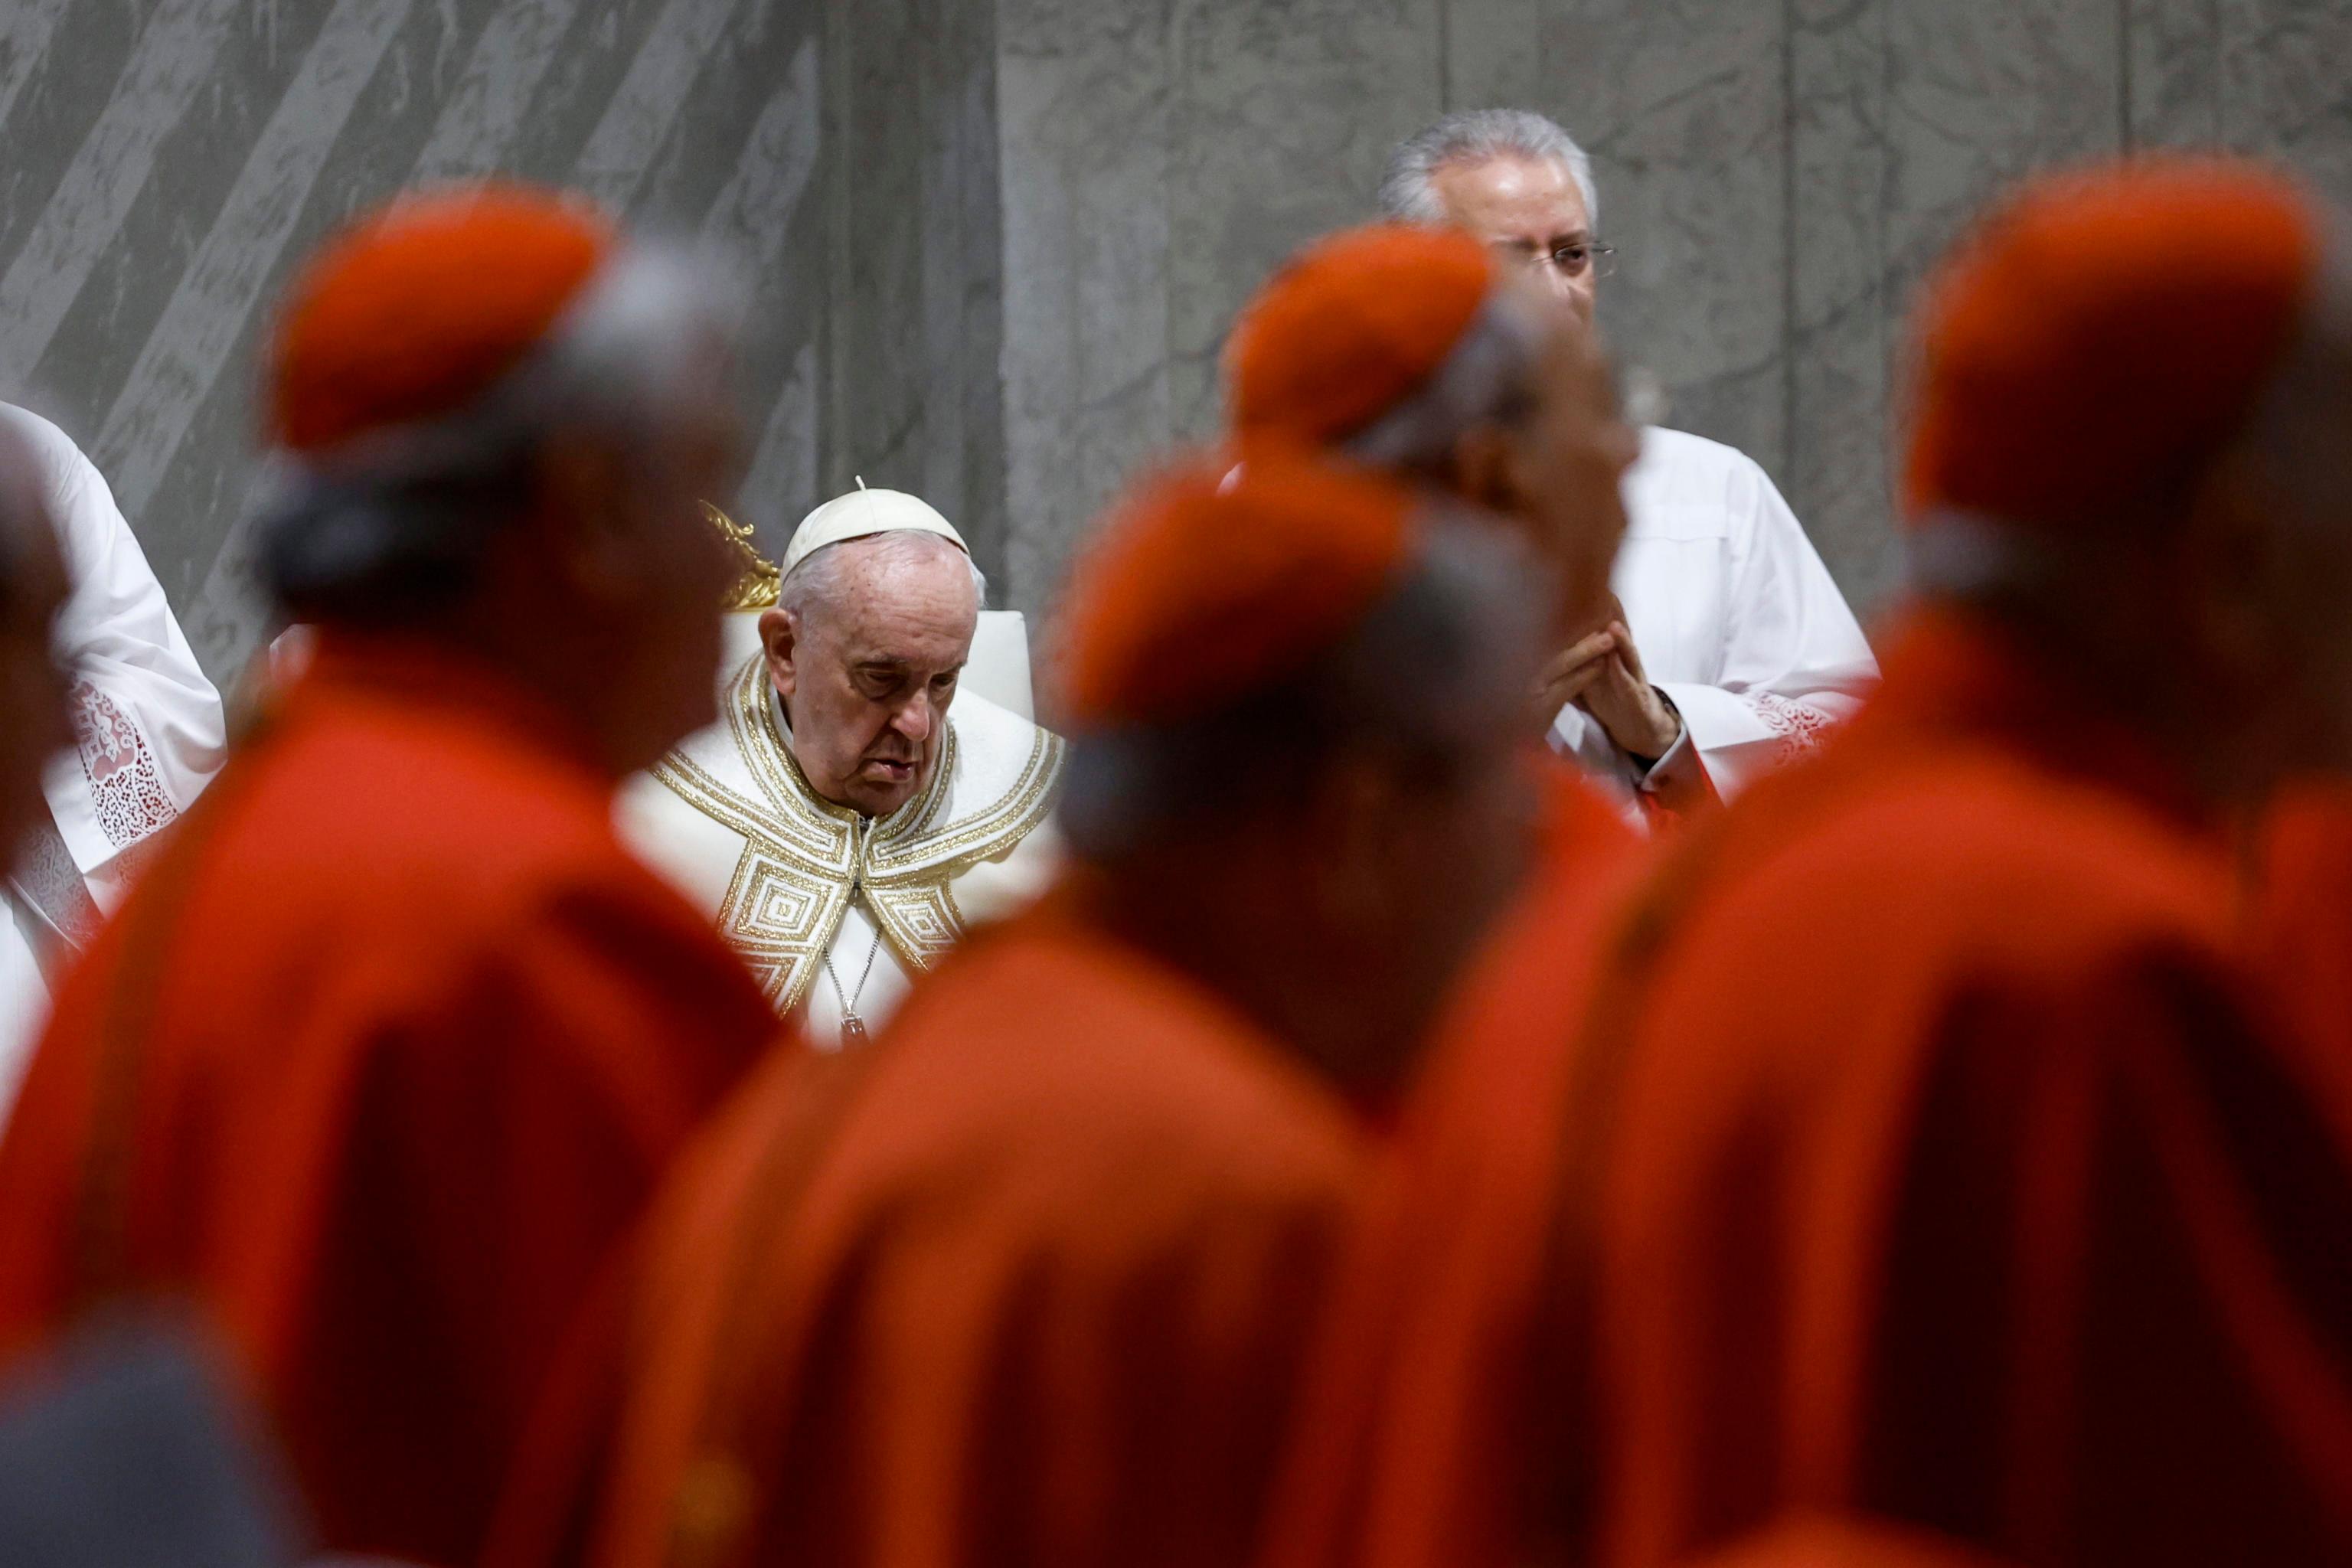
(868,666)
(32,685)
(1529,210)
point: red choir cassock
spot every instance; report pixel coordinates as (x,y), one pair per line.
(1027,1283)
(377,1063)
(1030,1280)
(1829,1541)
(1997,1209)
(1423,1424)
(1918,1148)
(2299,913)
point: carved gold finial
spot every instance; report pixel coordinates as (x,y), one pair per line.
(755,586)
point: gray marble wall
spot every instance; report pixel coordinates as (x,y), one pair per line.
(169,162)
(1777,174)
(994,245)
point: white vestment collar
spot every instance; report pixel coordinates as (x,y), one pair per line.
(805,859)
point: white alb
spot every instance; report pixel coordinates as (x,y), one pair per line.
(1737,620)
(148,725)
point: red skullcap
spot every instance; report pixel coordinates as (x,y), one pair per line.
(411,313)
(2104,335)
(1350,328)
(1206,585)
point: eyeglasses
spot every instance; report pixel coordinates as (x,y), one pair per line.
(1583,259)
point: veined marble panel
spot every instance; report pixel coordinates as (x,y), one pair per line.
(1082,98)
(172,161)
(1283,116)
(2172,64)
(1494,54)
(1685,112)
(1840,371)
(879,381)
(1979,96)
(2285,88)
(1682,106)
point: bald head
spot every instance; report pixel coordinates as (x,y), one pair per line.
(32,587)
(866,646)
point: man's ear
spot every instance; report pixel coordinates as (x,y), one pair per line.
(780,639)
(1351,824)
(2223,566)
(1483,468)
(579,518)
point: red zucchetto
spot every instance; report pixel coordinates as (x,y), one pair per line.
(2104,336)
(415,311)
(1209,583)
(1351,326)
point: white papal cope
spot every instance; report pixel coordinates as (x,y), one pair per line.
(829,907)
(1736,618)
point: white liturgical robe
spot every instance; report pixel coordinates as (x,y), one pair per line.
(1736,618)
(148,721)
(834,910)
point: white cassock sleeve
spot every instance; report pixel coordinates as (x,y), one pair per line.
(1738,621)
(149,722)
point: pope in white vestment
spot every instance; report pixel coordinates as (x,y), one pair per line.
(150,729)
(837,910)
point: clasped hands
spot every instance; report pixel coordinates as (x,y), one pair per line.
(1601,673)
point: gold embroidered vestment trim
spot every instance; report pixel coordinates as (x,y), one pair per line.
(805,857)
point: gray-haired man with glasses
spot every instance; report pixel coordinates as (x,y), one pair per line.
(1735,642)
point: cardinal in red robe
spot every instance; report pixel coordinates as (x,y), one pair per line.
(1830,1541)
(1413,349)
(1030,1281)
(391,1043)
(1920,1146)
(2299,918)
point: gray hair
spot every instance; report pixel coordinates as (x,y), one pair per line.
(1409,188)
(393,523)
(816,578)
(1426,672)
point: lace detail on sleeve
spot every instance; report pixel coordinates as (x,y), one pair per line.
(1801,726)
(124,781)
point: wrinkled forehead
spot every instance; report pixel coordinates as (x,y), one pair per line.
(1520,188)
(907,595)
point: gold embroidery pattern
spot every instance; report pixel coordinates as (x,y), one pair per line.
(804,858)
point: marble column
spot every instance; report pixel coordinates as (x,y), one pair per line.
(911,287)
